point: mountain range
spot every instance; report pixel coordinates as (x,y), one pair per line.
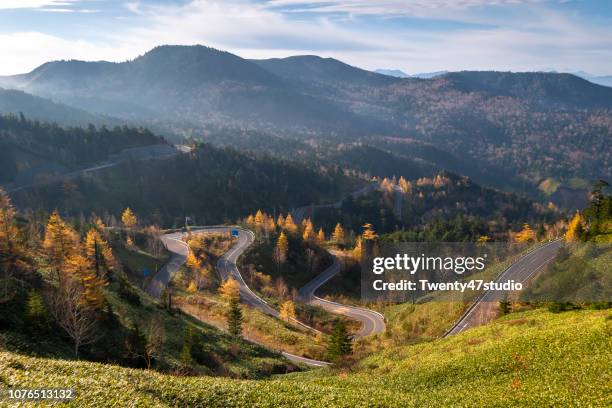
(531,126)
(401,74)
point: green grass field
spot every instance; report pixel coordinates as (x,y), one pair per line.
(532,359)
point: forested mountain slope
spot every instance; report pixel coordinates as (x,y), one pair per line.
(31,149)
(533,126)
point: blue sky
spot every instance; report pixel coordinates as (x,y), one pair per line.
(411,35)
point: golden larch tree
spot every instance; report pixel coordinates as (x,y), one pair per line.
(338,234)
(99,254)
(281,249)
(230,289)
(308,234)
(60,243)
(270,225)
(526,234)
(81,271)
(259,219)
(129,219)
(368,232)
(289,224)
(575,228)
(287,311)
(357,249)
(8,232)
(405,185)
(321,236)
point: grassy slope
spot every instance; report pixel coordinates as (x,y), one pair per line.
(527,359)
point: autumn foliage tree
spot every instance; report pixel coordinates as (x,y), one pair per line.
(575,228)
(230,289)
(61,242)
(78,271)
(11,252)
(357,250)
(281,249)
(320,236)
(368,232)
(129,220)
(99,253)
(526,234)
(308,234)
(287,311)
(289,224)
(338,234)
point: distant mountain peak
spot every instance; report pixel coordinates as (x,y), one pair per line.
(398,73)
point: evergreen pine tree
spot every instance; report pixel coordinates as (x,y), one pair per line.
(36,317)
(234,318)
(505,307)
(186,357)
(340,343)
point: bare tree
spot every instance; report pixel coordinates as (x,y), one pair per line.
(154,337)
(74,315)
(154,244)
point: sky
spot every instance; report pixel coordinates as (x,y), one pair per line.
(414,36)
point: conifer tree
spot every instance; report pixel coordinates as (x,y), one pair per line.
(270,225)
(289,224)
(505,307)
(234,318)
(99,253)
(321,236)
(129,220)
(259,219)
(357,249)
(526,234)
(8,229)
(405,185)
(36,317)
(60,243)
(280,252)
(81,271)
(186,356)
(340,343)
(308,234)
(230,289)
(280,221)
(575,228)
(12,252)
(193,262)
(338,234)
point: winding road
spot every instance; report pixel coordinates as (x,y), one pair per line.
(371,322)
(520,271)
(226,267)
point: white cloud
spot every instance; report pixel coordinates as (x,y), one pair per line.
(33,4)
(538,37)
(23,51)
(416,8)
